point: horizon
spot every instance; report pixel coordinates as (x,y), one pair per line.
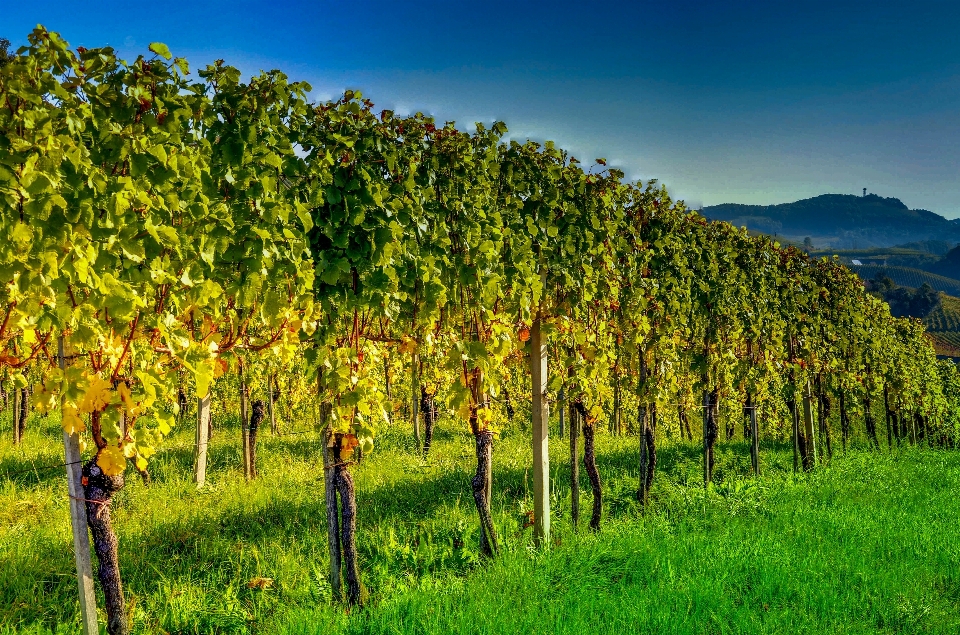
(745,103)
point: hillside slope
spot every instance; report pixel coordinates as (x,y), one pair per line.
(841,220)
(943,326)
(909,277)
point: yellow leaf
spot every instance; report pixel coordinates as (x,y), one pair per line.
(97,396)
(111,461)
(347,445)
(141,463)
(72,423)
(43,400)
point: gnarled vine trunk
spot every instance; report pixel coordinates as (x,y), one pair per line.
(341,519)
(481,490)
(98,490)
(750,412)
(590,465)
(256,419)
(429,409)
(348,532)
(869,421)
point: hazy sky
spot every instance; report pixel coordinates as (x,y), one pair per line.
(745,102)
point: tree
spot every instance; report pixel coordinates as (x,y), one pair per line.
(5,55)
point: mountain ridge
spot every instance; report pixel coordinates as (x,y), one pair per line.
(841,220)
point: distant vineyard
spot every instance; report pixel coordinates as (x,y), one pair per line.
(943,326)
(946,317)
(947,344)
(907,277)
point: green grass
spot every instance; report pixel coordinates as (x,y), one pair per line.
(869,544)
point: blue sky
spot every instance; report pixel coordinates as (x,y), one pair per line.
(746,102)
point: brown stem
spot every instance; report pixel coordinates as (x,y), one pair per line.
(348,534)
(98,490)
(480,484)
(590,463)
(429,409)
(256,418)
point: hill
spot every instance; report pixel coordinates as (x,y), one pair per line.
(943,326)
(842,220)
(948,266)
(909,277)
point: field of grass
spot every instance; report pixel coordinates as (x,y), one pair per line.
(867,544)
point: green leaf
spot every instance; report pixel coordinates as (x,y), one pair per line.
(160,49)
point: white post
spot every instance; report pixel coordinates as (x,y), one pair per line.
(541,433)
(78,521)
(203,440)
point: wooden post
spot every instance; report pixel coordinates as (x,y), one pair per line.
(270,409)
(795,417)
(78,522)
(541,433)
(754,436)
(615,415)
(415,398)
(888,415)
(574,426)
(706,442)
(808,428)
(562,414)
(17,396)
(203,440)
(388,389)
(245,425)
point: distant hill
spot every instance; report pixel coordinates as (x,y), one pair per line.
(948,266)
(842,221)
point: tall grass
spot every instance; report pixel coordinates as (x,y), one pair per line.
(868,544)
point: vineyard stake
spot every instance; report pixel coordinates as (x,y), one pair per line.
(808,428)
(541,434)
(17,397)
(203,440)
(78,522)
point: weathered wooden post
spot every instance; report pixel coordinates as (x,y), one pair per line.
(203,440)
(17,396)
(808,430)
(78,522)
(245,424)
(706,437)
(270,404)
(415,398)
(541,433)
(754,435)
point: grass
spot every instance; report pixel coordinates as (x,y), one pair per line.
(868,544)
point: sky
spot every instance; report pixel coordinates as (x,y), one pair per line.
(722,101)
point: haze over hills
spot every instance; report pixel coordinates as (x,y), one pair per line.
(841,221)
